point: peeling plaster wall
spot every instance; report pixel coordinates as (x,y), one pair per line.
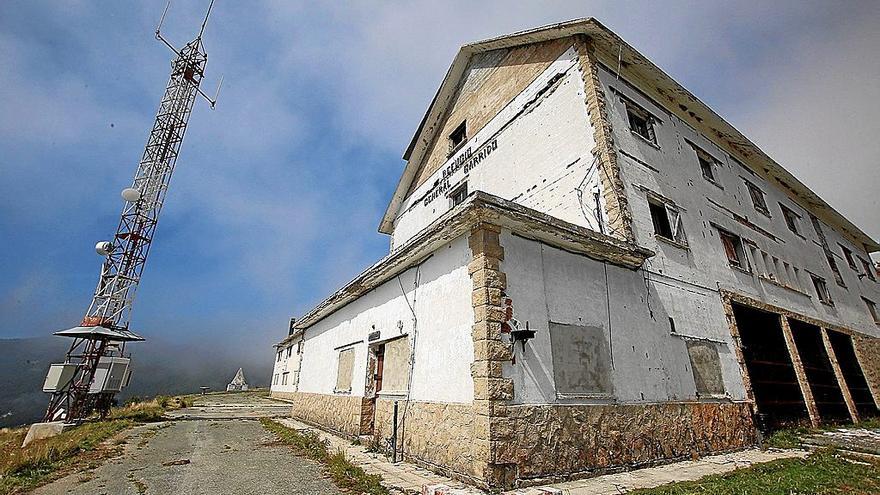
(539,156)
(649,362)
(443,340)
(672,171)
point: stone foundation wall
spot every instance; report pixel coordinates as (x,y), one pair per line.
(555,442)
(436,435)
(339,413)
(868,352)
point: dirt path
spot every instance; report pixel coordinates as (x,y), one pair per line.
(219,448)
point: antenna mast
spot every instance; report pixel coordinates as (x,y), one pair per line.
(96,367)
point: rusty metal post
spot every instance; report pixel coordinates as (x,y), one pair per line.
(394,434)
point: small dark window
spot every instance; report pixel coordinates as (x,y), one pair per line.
(821,289)
(757,196)
(459,194)
(667,221)
(872,308)
(458,137)
(850,259)
(733,249)
(869,270)
(660,219)
(833,264)
(707,164)
(289,351)
(640,122)
(791,219)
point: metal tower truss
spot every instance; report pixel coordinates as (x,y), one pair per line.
(96,367)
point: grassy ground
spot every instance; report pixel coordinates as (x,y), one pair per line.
(345,474)
(825,472)
(22,469)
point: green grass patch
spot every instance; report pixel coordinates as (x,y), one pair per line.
(824,473)
(25,468)
(789,438)
(345,474)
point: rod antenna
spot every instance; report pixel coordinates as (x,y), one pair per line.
(205,22)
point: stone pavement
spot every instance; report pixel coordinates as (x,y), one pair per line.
(410,479)
(615,484)
(856,440)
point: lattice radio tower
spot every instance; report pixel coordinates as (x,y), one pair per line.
(96,366)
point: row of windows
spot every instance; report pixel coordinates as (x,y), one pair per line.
(641,123)
(733,247)
(667,223)
(283,376)
(288,350)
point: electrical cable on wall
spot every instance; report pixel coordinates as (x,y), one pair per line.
(608,308)
(588,177)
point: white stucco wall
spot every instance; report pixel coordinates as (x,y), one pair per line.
(288,363)
(443,343)
(650,363)
(671,170)
(539,156)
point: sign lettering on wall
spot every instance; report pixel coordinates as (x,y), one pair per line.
(467,161)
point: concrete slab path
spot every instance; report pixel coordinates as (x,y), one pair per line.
(203,456)
(615,484)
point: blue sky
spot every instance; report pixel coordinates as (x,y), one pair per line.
(279,191)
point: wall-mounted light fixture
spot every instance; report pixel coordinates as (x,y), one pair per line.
(522,335)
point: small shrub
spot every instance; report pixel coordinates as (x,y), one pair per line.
(142,412)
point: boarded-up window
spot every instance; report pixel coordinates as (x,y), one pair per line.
(344,370)
(395,373)
(706,367)
(581,360)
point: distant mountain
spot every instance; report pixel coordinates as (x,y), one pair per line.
(158,368)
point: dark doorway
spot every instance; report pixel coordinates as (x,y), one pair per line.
(375,367)
(820,374)
(777,393)
(380,367)
(842,345)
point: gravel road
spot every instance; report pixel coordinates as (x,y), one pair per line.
(217,447)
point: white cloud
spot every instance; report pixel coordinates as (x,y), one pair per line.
(818,116)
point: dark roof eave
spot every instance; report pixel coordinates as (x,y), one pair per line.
(481,207)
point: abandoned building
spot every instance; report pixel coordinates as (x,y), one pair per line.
(589,270)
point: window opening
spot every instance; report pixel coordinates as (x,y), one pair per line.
(667,221)
(458,195)
(458,137)
(733,248)
(757,196)
(821,289)
(791,219)
(640,122)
